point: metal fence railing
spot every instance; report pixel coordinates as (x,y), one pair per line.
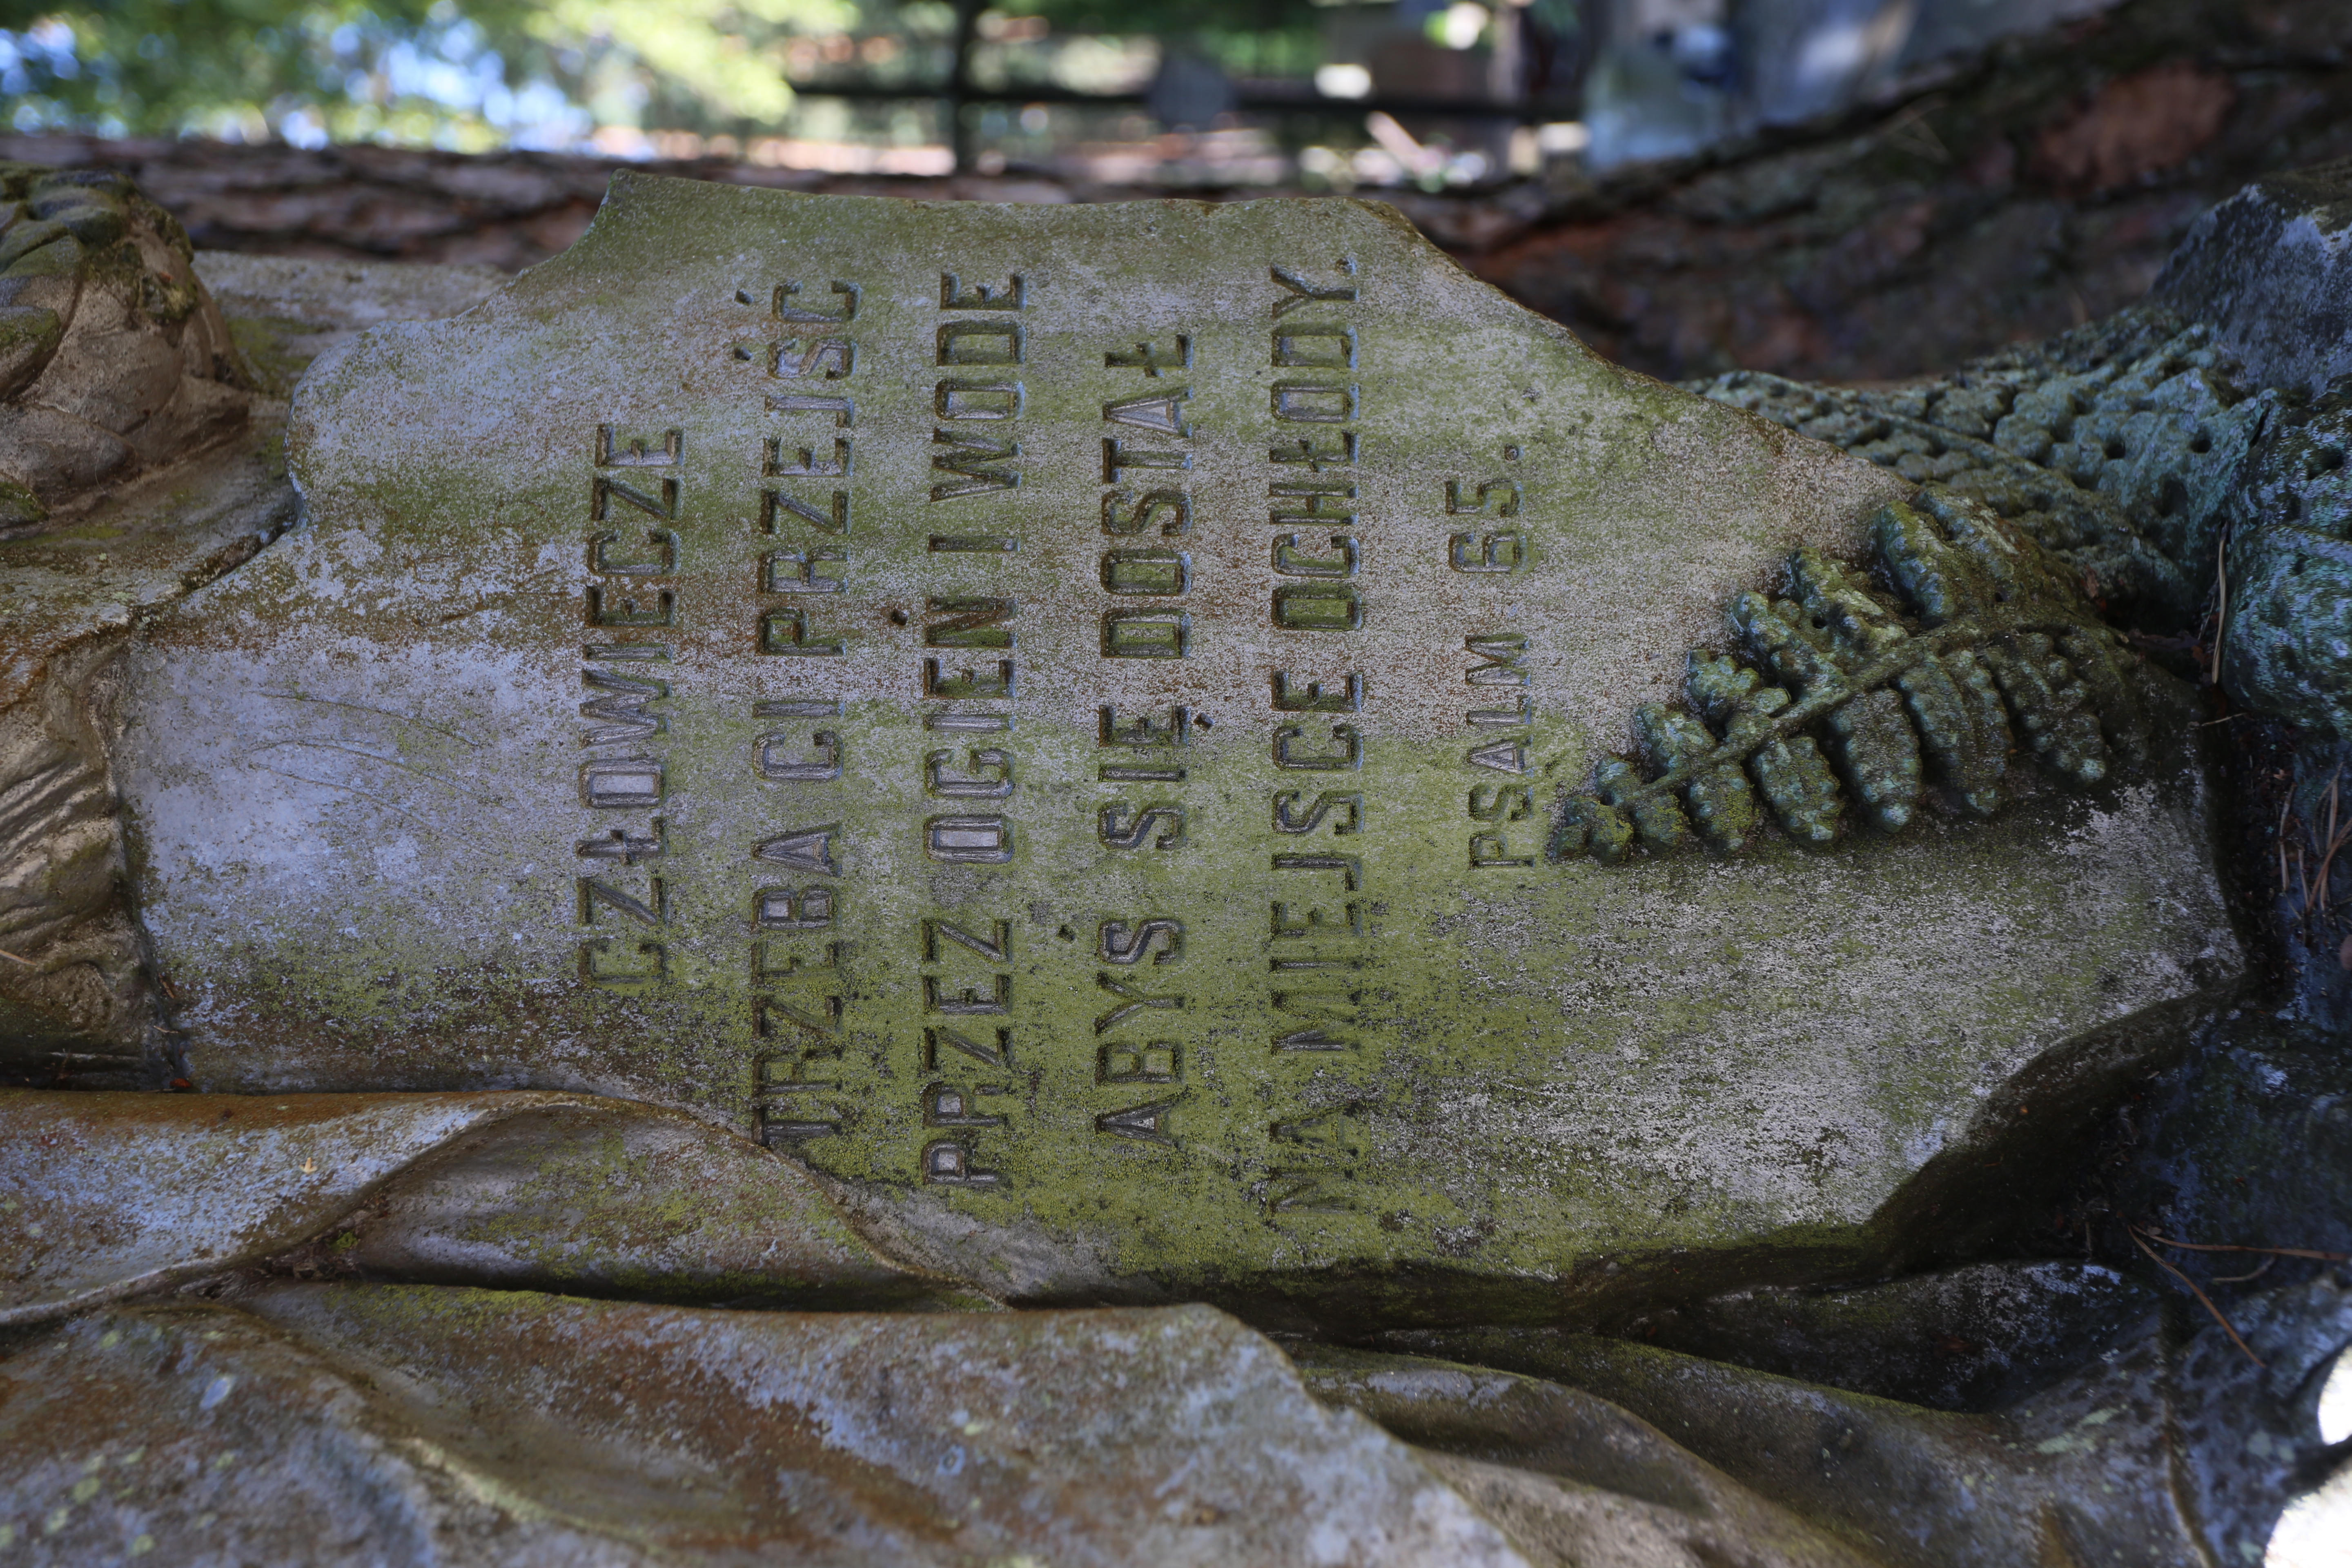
(1194,91)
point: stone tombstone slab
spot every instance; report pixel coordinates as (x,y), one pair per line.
(1054,718)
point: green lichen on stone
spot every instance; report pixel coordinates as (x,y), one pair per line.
(275,351)
(1991,643)
(19,507)
(28,330)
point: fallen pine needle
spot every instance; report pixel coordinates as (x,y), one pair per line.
(2227,1247)
(2133,1231)
(2281,836)
(2335,841)
(2220,600)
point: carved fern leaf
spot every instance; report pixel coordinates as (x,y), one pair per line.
(2085,526)
(1843,698)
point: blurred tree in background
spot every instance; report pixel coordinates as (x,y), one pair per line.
(468,74)
(489,72)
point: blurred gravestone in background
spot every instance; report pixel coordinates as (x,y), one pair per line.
(1672,78)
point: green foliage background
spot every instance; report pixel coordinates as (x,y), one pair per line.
(482,72)
(397,69)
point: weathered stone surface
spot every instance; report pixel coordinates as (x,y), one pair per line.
(2083,1470)
(1555,1461)
(130,527)
(110,1195)
(288,1423)
(146,545)
(525,1408)
(2287,642)
(405,1424)
(136,463)
(2272,269)
(1973,1338)
(283,311)
(111,357)
(1293,1005)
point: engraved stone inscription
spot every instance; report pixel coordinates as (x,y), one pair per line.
(1054,721)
